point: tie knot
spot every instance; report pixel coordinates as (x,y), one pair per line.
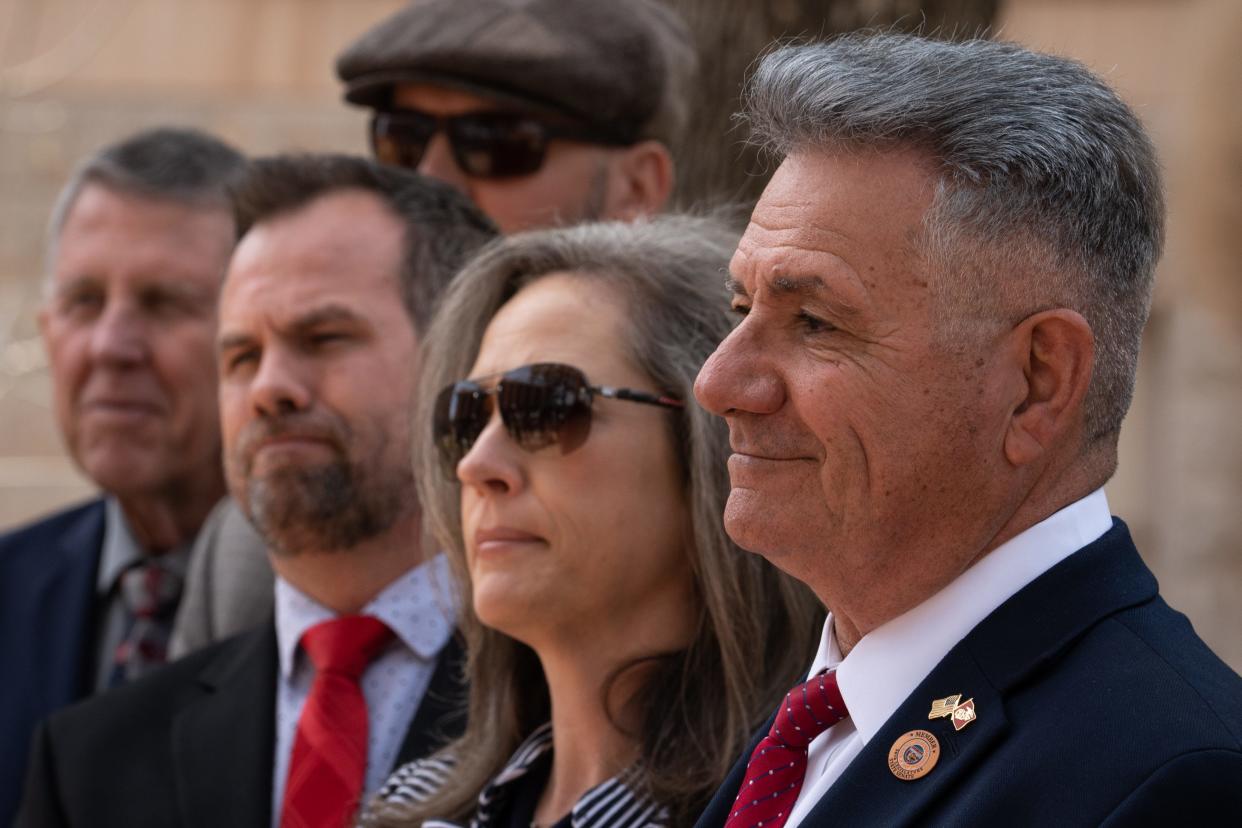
(345,645)
(810,708)
(150,590)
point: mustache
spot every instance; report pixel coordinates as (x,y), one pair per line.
(297,425)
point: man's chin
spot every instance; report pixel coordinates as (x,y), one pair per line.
(288,525)
(123,473)
(762,525)
(747,521)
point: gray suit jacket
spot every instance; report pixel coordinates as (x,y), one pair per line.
(229,587)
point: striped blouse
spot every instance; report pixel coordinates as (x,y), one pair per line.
(610,804)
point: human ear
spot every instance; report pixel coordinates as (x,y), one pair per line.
(1055,351)
(640,181)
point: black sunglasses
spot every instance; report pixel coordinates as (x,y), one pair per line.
(491,144)
(540,405)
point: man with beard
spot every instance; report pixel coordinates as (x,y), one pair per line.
(295,722)
(543,113)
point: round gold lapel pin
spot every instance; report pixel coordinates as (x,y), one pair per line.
(913,755)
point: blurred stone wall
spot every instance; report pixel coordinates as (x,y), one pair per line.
(1180,477)
(730,34)
(76,74)
(1197,439)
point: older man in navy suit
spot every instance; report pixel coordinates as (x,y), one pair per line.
(942,294)
(139,242)
(297,720)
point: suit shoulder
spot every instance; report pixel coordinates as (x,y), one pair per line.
(159,694)
(1196,788)
(1180,671)
(37,531)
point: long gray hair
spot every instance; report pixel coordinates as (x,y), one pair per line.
(756,627)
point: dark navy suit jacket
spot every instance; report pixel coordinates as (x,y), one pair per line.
(1097,705)
(47,619)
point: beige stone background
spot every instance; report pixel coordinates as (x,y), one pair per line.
(76,74)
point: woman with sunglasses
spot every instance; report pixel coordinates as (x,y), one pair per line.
(621,648)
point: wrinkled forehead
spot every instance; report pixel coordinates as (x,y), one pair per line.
(112,235)
(854,213)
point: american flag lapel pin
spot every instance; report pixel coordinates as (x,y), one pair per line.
(961,713)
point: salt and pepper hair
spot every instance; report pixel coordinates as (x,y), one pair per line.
(182,166)
(1048,191)
(756,627)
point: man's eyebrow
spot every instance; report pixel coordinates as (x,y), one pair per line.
(76,281)
(171,286)
(178,290)
(300,326)
(233,341)
(816,287)
(784,285)
(735,287)
(323,315)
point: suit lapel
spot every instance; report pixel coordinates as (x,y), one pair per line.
(224,740)
(1030,630)
(47,604)
(1024,635)
(61,592)
(441,714)
(868,793)
(717,810)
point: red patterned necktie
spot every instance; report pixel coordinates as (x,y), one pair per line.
(329,760)
(776,768)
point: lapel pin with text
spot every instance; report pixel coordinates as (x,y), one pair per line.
(913,755)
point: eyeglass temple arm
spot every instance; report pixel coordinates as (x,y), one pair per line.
(636,396)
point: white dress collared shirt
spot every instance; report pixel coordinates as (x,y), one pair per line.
(889,662)
(419,608)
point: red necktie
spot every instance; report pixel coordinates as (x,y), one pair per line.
(776,768)
(329,760)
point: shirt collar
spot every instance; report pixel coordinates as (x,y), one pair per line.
(535,745)
(418,607)
(121,550)
(888,663)
(612,796)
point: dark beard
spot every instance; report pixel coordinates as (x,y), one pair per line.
(333,506)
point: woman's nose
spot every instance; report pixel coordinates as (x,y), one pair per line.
(493,465)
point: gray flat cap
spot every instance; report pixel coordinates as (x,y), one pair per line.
(623,66)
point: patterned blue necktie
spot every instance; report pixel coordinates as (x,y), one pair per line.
(150,593)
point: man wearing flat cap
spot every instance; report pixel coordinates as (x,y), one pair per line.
(544,112)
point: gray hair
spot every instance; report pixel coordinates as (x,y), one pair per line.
(756,625)
(185,166)
(1048,192)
